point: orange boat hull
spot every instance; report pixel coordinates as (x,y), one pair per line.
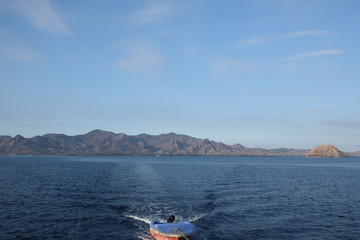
(172,231)
(160,237)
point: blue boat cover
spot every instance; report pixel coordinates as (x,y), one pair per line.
(183,227)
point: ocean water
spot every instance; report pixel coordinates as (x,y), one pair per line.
(116,197)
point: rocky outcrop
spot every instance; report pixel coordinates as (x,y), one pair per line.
(328,151)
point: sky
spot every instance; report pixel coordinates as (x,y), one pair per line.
(261,73)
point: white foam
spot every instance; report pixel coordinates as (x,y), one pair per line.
(197,217)
(148,221)
(145,237)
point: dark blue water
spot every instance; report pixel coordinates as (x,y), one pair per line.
(226,197)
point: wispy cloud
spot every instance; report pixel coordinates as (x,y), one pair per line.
(41,15)
(299,6)
(88,113)
(307,33)
(14,49)
(253,41)
(233,65)
(314,54)
(316,110)
(152,12)
(269,38)
(39,115)
(142,57)
(20,52)
(342,123)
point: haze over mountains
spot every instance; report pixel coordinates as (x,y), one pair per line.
(109,143)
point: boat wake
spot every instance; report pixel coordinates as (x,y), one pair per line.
(145,220)
(145,237)
(197,217)
(148,220)
(143,223)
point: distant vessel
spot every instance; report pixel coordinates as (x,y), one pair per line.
(172,231)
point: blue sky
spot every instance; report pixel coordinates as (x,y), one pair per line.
(262,73)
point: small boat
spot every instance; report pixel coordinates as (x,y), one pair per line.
(172,231)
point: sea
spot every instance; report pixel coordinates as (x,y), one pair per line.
(116,197)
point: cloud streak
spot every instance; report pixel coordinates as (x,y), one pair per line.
(21,52)
(41,15)
(307,33)
(342,123)
(153,12)
(141,58)
(254,41)
(232,65)
(314,54)
(11,48)
(298,34)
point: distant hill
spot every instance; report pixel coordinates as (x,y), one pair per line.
(326,151)
(109,143)
(353,154)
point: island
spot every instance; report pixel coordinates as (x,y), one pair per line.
(326,151)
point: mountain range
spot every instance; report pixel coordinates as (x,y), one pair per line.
(108,143)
